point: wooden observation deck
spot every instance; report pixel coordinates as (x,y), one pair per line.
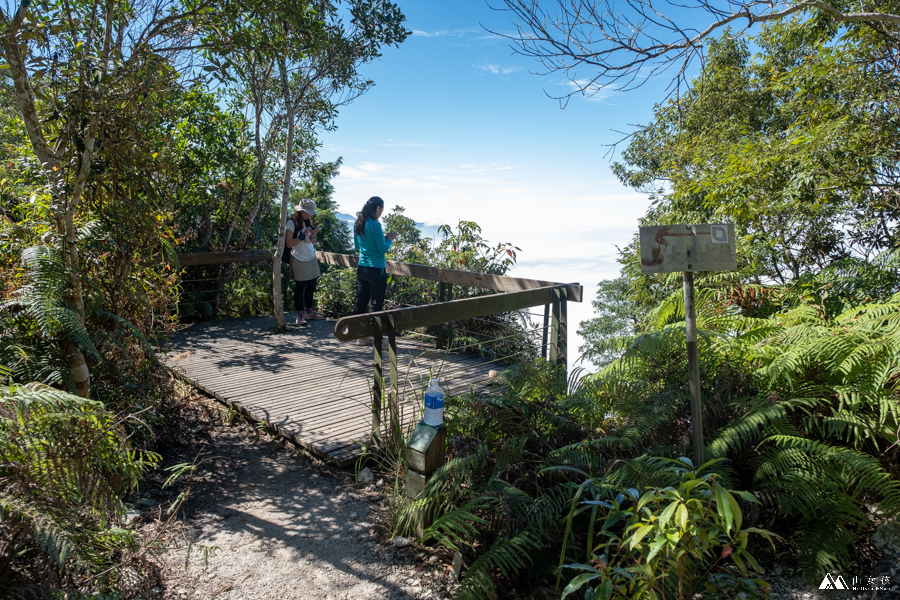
(308,385)
(317,387)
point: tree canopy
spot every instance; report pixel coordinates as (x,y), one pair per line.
(792,135)
(164,125)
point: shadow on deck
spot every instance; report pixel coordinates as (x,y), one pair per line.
(311,387)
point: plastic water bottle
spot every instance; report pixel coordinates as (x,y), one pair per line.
(434,404)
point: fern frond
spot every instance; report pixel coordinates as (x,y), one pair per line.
(745,429)
(54,541)
(506,555)
(824,546)
(42,298)
(458,523)
(66,466)
(858,468)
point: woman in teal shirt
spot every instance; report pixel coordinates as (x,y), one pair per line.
(372,243)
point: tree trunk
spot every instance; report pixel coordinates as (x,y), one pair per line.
(285,194)
(81,375)
(262,144)
(66,203)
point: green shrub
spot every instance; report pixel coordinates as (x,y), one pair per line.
(511,499)
(65,464)
(336,292)
(803,404)
(667,542)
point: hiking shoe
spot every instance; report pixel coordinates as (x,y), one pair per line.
(313,316)
(301,320)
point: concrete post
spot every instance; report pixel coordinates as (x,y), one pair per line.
(425,453)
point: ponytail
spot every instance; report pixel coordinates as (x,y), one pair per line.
(367,212)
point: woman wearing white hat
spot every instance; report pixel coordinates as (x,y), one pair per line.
(304,266)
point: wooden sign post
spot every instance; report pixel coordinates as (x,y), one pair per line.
(689,248)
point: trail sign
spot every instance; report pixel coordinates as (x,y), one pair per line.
(688,248)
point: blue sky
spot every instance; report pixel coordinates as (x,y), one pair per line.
(458,127)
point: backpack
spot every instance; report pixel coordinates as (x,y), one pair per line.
(286,252)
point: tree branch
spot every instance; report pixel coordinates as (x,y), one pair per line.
(628,46)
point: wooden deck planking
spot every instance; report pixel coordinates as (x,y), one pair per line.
(311,387)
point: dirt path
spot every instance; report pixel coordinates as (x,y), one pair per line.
(263,520)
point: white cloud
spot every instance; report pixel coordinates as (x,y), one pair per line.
(443,32)
(498,69)
(361,170)
(484,168)
(591,91)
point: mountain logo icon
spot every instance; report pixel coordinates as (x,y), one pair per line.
(833,583)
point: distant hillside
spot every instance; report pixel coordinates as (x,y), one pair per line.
(428,231)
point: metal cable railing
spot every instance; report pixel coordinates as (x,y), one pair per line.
(244,289)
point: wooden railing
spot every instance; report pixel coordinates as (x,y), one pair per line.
(515,293)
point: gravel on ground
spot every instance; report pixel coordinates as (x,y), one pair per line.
(263,519)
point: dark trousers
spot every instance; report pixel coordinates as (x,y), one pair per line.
(371,284)
(304,294)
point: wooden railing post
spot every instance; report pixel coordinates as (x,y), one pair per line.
(377,387)
(554,328)
(559,332)
(445,332)
(393,396)
(378,403)
(562,335)
(546,331)
(441,340)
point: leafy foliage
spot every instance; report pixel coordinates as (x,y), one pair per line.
(335,235)
(66,462)
(803,403)
(529,485)
(669,542)
(618,315)
(785,145)
(796,145)
(37,318)
(39,309)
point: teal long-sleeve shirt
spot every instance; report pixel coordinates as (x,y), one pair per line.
(372,245)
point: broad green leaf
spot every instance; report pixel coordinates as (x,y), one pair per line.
(638,535)
(655,549)
(578,582)
(668,512)
(735,511)
(723,507)
(739,562)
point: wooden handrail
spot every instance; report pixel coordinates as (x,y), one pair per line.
(220,258)
(360,326)
(500,283)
